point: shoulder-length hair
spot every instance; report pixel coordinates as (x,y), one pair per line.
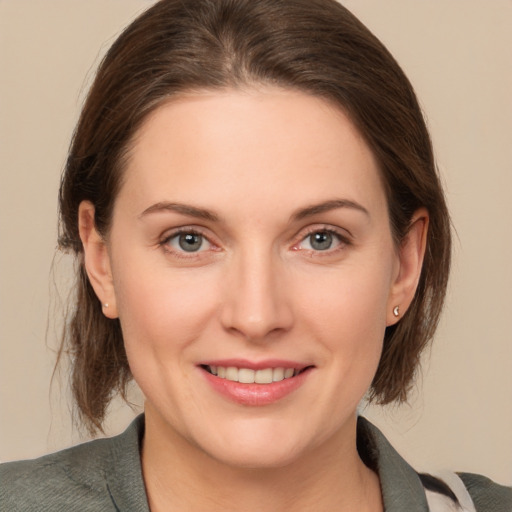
(314,46)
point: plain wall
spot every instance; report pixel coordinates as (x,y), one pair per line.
(457,53)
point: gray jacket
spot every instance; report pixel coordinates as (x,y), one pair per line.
(105,475)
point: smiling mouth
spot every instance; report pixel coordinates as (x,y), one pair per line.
(250,376)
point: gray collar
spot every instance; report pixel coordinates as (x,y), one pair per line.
(402,489)
(124,481)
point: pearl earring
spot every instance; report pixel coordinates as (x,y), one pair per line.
(105,305)
(396,311)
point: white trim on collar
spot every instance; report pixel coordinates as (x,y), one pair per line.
(440,503)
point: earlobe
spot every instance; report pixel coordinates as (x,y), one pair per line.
(96,259)
(411,253)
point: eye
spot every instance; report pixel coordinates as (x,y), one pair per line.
(188,241)
(321,240)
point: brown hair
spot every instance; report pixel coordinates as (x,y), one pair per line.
(315,46)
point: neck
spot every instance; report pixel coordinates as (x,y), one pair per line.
(179,475)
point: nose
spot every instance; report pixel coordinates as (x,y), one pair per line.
(257,302)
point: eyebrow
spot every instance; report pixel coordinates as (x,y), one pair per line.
(183,209)
(328,206)
(202,213)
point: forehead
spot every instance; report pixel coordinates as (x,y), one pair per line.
(278,145)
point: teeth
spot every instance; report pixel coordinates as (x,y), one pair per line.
(232,373)
(288,373)
(248,376)
(277,374)
(263,376)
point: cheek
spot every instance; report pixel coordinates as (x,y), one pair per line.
(160,309)
(162,315)
(346,311)
(352,298)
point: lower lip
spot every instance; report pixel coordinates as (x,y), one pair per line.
(256,394)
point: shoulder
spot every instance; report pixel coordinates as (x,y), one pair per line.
(402,486)
(104,474)
(488,496)
(58,481)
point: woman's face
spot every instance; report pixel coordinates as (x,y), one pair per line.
(251,241)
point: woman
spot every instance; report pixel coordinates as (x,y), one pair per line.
(262,239)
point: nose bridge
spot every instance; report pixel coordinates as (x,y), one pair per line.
(256,300)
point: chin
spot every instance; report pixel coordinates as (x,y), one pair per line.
(257,457)
(257,446)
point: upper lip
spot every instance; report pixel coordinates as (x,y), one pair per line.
(255,365)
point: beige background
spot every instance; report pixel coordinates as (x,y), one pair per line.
(458,53)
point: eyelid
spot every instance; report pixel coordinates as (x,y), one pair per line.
(343,235)
(171,233)
(194,230)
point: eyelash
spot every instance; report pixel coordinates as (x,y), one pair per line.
(343,242)
(165,242)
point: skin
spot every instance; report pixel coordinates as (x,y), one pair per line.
(258,288)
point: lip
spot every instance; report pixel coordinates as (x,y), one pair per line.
(256,394)
(256,365)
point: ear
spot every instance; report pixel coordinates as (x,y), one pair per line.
(96,259)
(410,254)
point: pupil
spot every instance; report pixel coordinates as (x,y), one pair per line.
(190,242)
(321,240)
